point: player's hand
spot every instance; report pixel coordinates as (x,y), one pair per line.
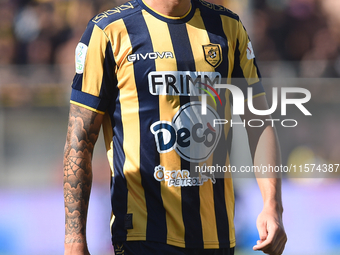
(272,234)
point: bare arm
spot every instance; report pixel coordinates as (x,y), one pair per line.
(265,150)
(82,134)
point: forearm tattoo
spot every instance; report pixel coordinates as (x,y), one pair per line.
(82,134)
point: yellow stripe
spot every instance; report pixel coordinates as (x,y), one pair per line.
(227,113)
(93,70)
(168,106)
(198,37)
(208,219)
(131,129)
(228,182)
(230,202)
(87,107)
(230,30)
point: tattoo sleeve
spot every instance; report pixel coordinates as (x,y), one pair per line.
(82,134)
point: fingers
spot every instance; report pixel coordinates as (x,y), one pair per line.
(272,235)
(274,244)
(262,229)
(264,244)
(272,248)
(265,239)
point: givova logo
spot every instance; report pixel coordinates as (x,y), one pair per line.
(190,133)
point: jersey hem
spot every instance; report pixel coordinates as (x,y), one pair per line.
(89,101)
(261,94)
(179,243)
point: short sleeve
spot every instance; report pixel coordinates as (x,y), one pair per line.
(94,81)
(245,71)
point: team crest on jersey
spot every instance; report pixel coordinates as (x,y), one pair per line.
(213,54)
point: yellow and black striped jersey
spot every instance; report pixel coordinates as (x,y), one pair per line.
(147,72)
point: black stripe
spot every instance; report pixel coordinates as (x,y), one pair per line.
(257,88)
(148,114)
(87,34)
(77,81)
(182,48)
(257,69)
(221,214)
(213,24)
(190,195)
(89,100)
(109,81)
(118,182)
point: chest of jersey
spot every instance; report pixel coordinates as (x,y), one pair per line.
(169,56)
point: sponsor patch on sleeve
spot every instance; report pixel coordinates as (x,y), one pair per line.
(81,51)
(250,51)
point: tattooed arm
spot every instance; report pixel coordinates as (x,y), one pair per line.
(82,134)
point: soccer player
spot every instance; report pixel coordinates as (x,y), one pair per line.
(142,70)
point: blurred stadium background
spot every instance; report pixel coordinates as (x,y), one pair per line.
(295,39)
